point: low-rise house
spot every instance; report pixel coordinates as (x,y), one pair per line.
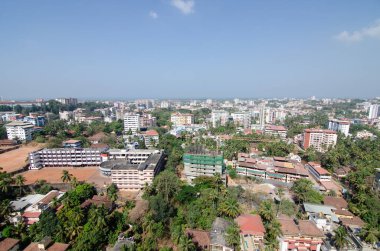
(302,236)
(201,238)
(9,244)
(321,215)
(337,202)
(276,131)
(97,138)
(318,172)
(151,138)
(252,232)
(98,201)
(47,244)
(218,235)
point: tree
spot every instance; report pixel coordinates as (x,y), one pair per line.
(370,234)
(340,238)
(112,192)
(229,208)
(266,211)
(66,176)
(186,243)
(167,184)
(20,180)
(304,191)
(233,236)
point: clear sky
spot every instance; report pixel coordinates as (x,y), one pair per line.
(189,49)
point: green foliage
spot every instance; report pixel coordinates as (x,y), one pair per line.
(233,146)
(304,192)
(3,132)
(42,187)
(54,127)
(279,149)
(340,238)
(228,128)
(162,117)
(272,226)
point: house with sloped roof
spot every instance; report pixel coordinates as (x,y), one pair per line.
(252,231)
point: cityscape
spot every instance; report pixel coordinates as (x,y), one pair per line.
(186,125)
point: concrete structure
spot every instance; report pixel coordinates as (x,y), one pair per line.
(66,115)
(19,130)
(219,118)
(133,176)
(373,111)
(182,119)
(217,235)
(242,119)
(252,232)
(320,139)
(318,172)
(151,138)
(302,236)
(276,131)
(201,162)
(342,126)
(72,143)
(61,157)
(67,101)
(131,122)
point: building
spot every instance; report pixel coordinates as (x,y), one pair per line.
(182,119)
(131,122)
(66,115)
(151,138)
(318,172)
(72,143)
(47,244)
(342,126)
(68,101)
(268,168)
(134,176)
(219,118)
(252,232)
(10,244)
(302,236)
(217,235)
(200,238)
(321,140)
(242,119)
(147,120)
(61,157)
(35,120)
(276,131)
(201,162)
(18,130)
(373,111)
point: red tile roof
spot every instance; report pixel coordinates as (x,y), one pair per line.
(355,221)
(8,243)
(250,224)
(58,247)
(335,202)
(31,214)
(151,133)
(275,128)
(200,237)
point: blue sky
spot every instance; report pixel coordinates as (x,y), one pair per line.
(189,49)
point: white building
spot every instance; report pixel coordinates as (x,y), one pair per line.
(342,126)
(19,130)
(276,131)
(182,119)
(320,139)
(131,122)
(373,111)
(318,172)
(219,117)
(242,119)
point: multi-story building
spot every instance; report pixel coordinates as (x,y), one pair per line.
(127,175)
(342,126)
(66,115)
(35,120)
(60,157)
(182,119)
(242,119)
(318,172)
(147,120)
(19,130)
(252,232)
(373,111)
(131,122)
(201,162)
(219,118)
(67,101)
(302,236)
(276,131)
(320,139)
(151,138)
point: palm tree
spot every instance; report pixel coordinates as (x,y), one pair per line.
(280,194)
(370,234)
(266,211)
(74,182)
(20,182)
(233,235)
(340,238)
(186,243)
(112,192)
(97,216)
(66,176)
(229,208)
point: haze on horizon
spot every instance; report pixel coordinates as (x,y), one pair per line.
(189,49)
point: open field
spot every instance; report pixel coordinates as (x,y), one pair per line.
(15,160)
(53,175)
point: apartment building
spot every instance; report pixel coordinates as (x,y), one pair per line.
(131,122)
(182,119)
(134,176)
(147,120)
(60,157)
(219,118)
(242,119)
(201,162)
(320,139)
(252,232)
(67,101)
(276,131)
(151,138)
(337,125)
(19,130)
(373,111)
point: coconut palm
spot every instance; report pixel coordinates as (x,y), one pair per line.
(112,192)
(280,194)
(266,211)
(370,234)
(233,235)
(19,181)
(66,176)
(74,182)
(186,243)
(229,208)
(340,238)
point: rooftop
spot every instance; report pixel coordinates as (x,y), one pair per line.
(304,228)
(200,237)
(250,224)
(8,243)
(219,227)
(125,164)
(337,202)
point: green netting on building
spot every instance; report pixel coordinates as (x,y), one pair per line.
(203,159)
(276,175)
(255,171)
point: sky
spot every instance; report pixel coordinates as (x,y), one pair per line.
(130,49)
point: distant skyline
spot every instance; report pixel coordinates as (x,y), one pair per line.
(159,49)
